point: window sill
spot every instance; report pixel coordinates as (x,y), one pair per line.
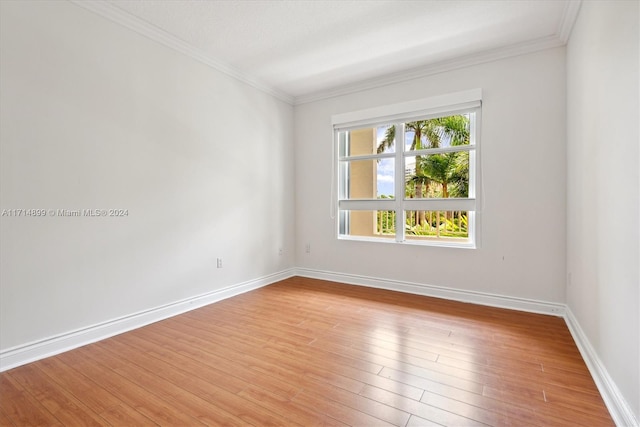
(426,242)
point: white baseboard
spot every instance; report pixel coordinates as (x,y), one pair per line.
(615,402)
(51,346)
(618,407)
(482,298)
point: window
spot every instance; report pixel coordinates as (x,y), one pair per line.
(409,173)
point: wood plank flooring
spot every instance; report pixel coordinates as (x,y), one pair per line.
(309,352)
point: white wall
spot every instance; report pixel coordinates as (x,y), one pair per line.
(96,116)
(523,219)
(603,189)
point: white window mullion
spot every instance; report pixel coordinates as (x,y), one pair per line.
(475,179)
(440,204)
(430,151)
(367,205)
(368,157)
(342,172)
(399,181)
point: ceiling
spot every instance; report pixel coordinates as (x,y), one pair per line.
(306,50)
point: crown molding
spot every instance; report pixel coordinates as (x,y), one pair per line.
(435,68)
(569,17)
(560,38)
(119,16)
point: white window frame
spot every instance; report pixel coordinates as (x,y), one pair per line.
(468,101)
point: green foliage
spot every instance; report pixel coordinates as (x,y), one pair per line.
(439,224)
(439,175)
(459,176)
(431,133)
(443,224)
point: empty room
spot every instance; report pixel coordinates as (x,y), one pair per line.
(345,213)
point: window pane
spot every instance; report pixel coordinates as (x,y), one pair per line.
(368,223)
(440,132)
(362,142)
(367,141)
(385,137)
(437,225)
(442,176)
(368,179)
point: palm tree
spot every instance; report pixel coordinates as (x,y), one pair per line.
(440,168)
(418,181)
(425,135)
(428,134)
(460,175)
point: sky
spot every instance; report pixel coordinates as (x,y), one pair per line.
(386,166)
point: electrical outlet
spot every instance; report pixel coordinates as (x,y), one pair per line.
(307,248)
(219,262)
(280,251)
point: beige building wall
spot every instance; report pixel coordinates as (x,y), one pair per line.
(363,182)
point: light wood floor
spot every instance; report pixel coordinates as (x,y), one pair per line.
(308,352)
